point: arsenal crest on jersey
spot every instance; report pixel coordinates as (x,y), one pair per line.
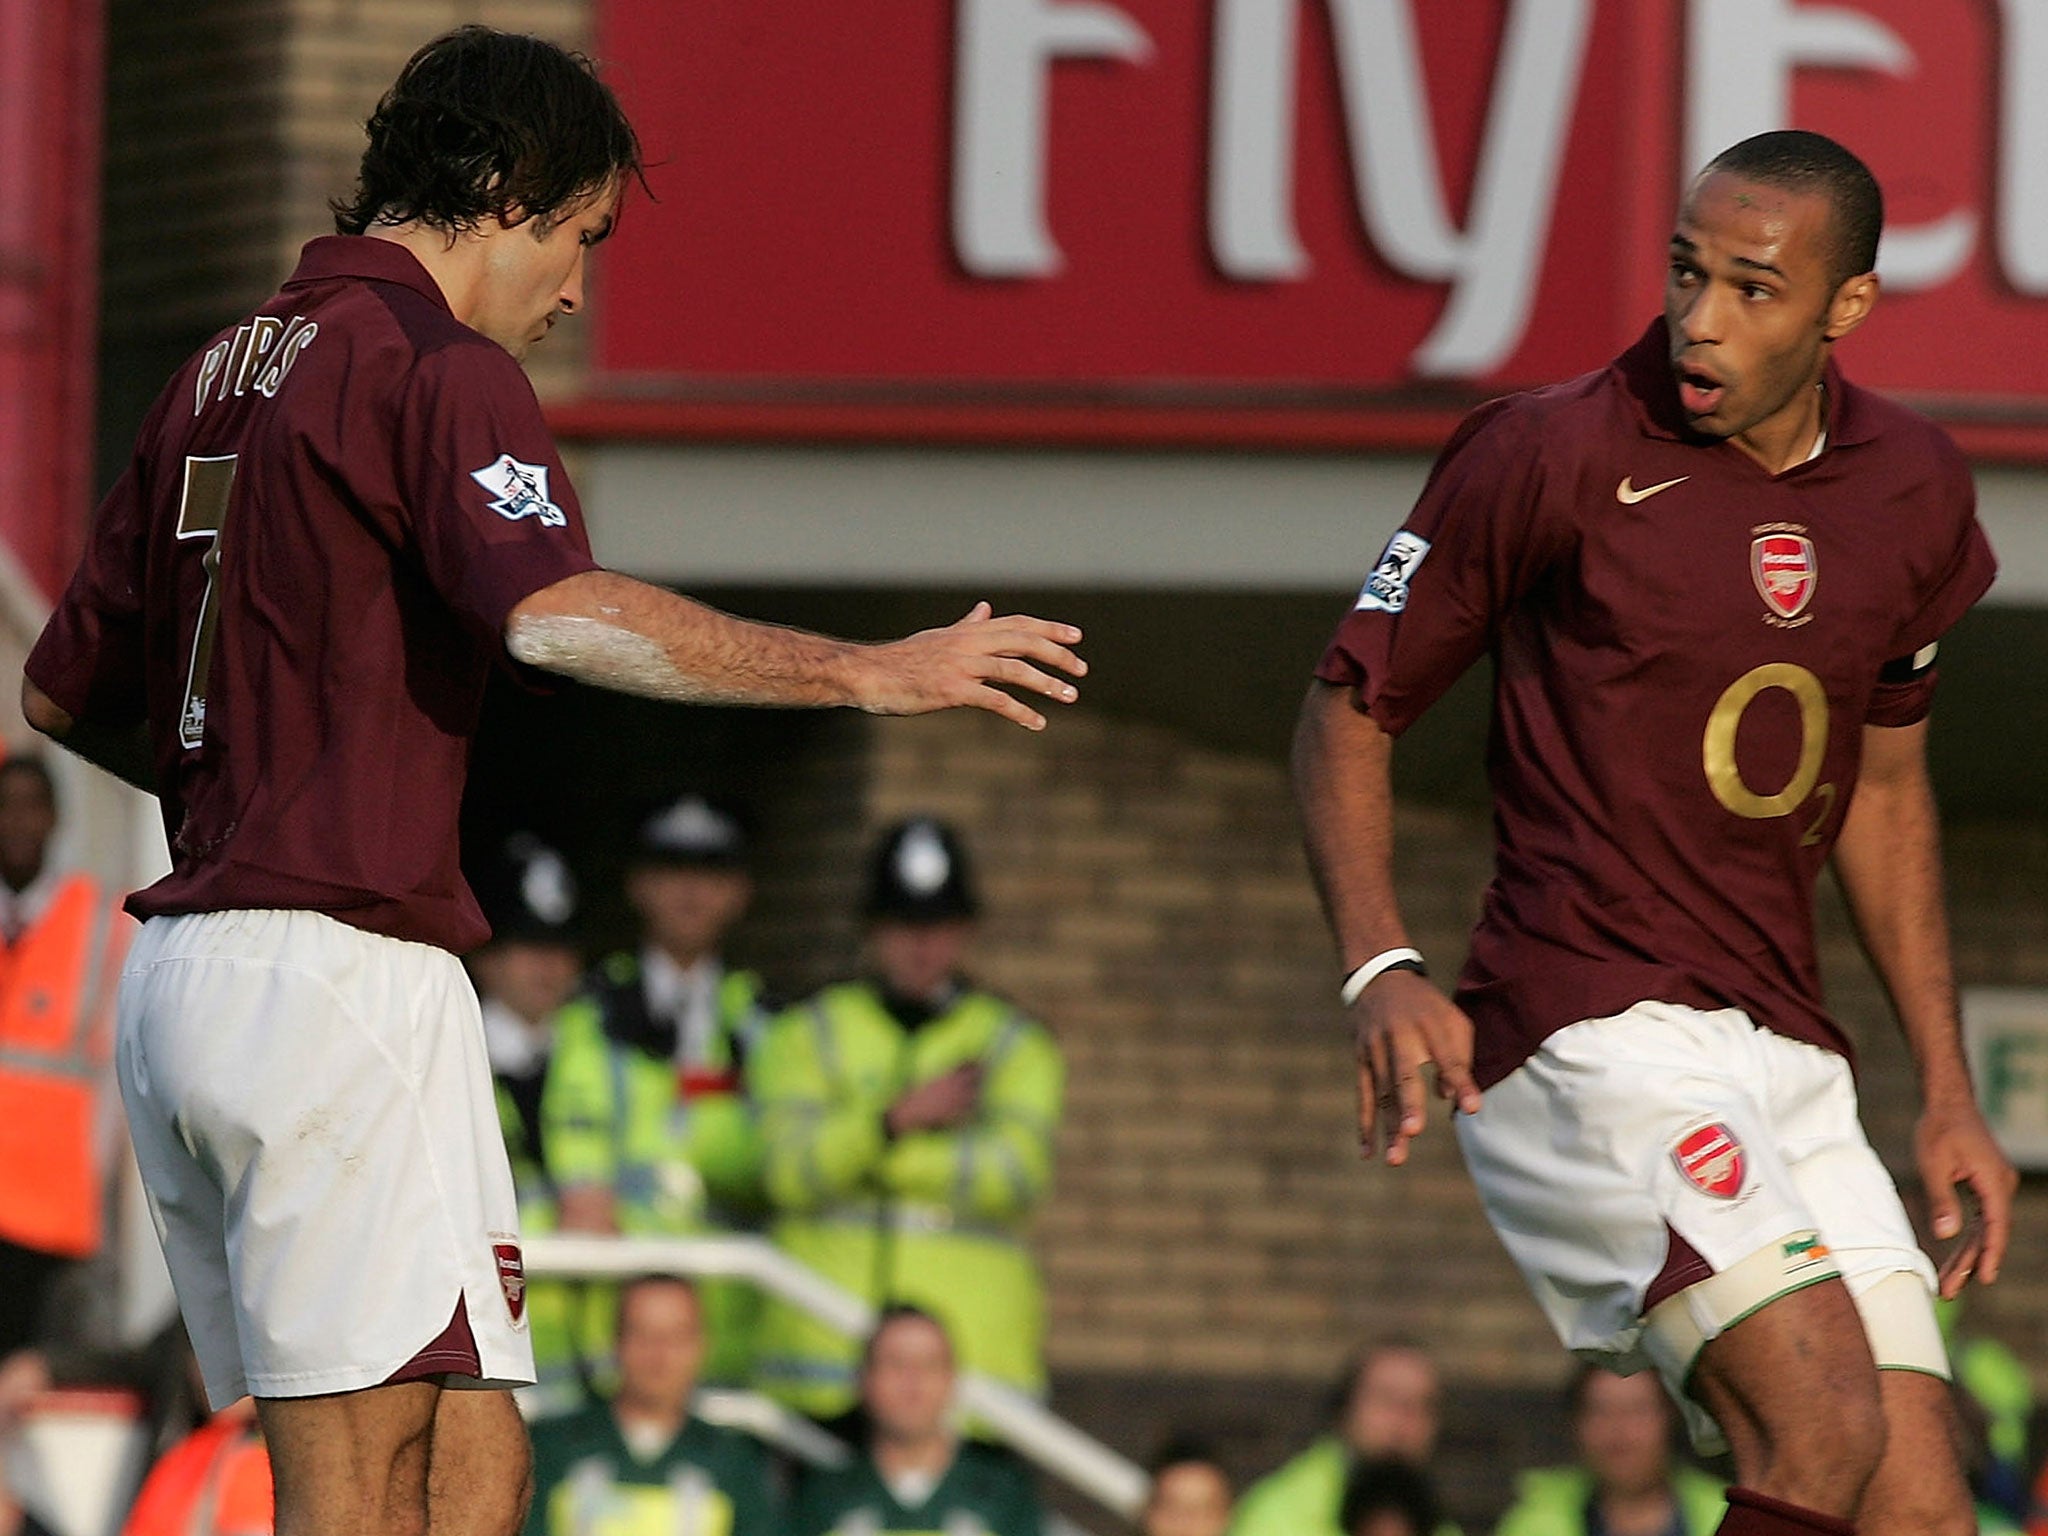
(511,1277)
(1785,573)
(1711,1160)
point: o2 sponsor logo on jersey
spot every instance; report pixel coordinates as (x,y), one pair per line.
(521,490)
(1387,587)
(511,1267)
(1711,1160)
(1782,565)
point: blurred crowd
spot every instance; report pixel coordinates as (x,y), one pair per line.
(893,1131)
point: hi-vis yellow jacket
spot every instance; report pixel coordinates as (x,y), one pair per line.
(933,1218)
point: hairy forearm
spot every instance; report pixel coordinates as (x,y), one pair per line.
(1343,787)
(1888,860)
(614,632)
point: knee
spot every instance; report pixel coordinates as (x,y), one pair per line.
(1826,1456)
(1853,1427)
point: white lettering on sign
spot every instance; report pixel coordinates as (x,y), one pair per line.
(999,122)
(1743,56)
(1493,264)
(2023,141)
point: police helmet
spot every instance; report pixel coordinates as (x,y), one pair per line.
(919,873)
(692,831)
(528,893)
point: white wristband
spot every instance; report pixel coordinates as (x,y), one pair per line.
(1386,960)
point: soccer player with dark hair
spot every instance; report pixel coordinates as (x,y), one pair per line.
(1712,577)
(340,517)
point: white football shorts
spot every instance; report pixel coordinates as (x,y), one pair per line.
(1665,1119)
(312,1111)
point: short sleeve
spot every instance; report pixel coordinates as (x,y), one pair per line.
(90,656)
(492,510)
(1961,573)
(1480,536)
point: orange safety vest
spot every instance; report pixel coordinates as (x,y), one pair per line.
(56,994)
(216,1482)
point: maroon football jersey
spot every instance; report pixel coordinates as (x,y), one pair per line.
(302,582)
(1687,649)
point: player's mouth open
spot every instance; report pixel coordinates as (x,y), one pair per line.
(1698,391)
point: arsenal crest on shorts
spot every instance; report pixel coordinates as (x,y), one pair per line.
(1783,567)
(511,1277)
(1711,1160)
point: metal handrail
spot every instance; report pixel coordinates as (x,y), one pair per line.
(1026,1425)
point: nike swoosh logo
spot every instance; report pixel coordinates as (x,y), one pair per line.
(1628,495)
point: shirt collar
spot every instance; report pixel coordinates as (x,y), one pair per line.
(670,989)
(1645,374)
(367,257)
(517,1047)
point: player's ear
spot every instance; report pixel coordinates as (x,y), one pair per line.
(1851,305)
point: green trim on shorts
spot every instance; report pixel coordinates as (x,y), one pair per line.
(1916,1370)
(1752,1312)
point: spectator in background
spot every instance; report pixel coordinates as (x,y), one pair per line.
(1190,1493)
(1387,1496)
(215,1482)
(642,1462)
(1628,1481)
(64,936)
(524,975)
(914,1474)
(909,1118)
(1387,1407)
(648,1130)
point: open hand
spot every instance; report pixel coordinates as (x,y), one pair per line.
(1954,1147)
(970,663)
(1405,1024)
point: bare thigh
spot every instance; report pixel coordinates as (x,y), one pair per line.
(480,1471)
(1795,1390)
(351,1463)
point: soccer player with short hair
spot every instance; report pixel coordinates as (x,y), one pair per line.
(340,516)
(1712,577)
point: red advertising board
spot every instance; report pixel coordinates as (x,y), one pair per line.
(50,84)
(1272,220)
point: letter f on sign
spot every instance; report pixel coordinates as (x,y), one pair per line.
(999,123)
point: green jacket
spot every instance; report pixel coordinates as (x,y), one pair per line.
(680,1151)
(933,1218)
(986,1492)
(587,1481)
(1551,1501)
(1302,1497)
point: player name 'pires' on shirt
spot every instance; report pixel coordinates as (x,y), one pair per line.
(1687,649)
(302,582)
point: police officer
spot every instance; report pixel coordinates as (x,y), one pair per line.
(649,1131)
(524,976)
(909,1120)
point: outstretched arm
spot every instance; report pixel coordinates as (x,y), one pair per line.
(1889,861)
(1343,787)
(610,630)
